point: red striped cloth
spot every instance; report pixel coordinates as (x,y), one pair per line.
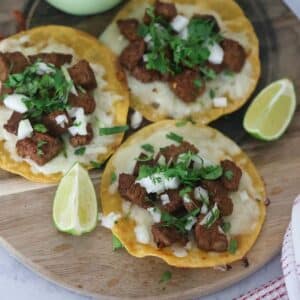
(286,287)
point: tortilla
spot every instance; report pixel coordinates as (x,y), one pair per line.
(247,217)
(82,46)
(156,101)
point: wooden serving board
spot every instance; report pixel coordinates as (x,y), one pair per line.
(87,264)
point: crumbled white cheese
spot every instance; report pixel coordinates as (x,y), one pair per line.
(136,120)
(216,54)
(25,129)
(61,120)
(165,199)
(220,102)
(155,213)
(201,194)
(191,221)
(15,102)
(179,23)
(142,234)
(79,126)
(43,69)
(162,160)
(110,220)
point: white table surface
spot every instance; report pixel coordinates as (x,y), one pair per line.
(18,282)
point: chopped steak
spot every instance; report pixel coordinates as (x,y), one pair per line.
(83,75)
(165,10)
(41,148)
(56,59)
(231,175)
(82,140)
(86,101)
(17,62)
(166,236)
(192,204)
(225,204)
(4,67)
(56,128)
(210,239)
(132,54)
(209,18)
(188,85)
(5,90)
(141,73)
(132,191)
(12,124)
(214,188)
(138,164)
(234,55)
(175,203)
(217,68)
(129,28)
(172,152)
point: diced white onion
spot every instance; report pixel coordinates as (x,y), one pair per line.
(204,209)
(69,79)
(43,69)
(109,220)
(165,199)
(148,38)
(201,194)
(80,119)
(186,198)
(25,129)
(184,34)
(145,57)
(142,234)
(136,120)
(216,54)
(61,120)
(162,160)
(155,213)
(171,183)
(220,102)
(179,23)
(179,251)
(209,215)
(190,223)
(14,102)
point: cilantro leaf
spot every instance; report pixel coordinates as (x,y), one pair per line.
(228,175)
(40,128)
(211,172)
(113,177)
(174,137)
(148,148)
(96,164)
(226,227)
(165,277)
(116,243)
(113,130)
(233,246)
(40,145)
(80,151)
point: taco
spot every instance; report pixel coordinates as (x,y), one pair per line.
(185,58)
(61,102)
(184,193)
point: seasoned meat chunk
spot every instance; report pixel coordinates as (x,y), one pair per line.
(172,152)
(210,19)
(41,148)
(234,55)
(214,188)
(166,236)
(187,85)
(132,191)
(225,205)
(217,68)
(54,58)
(132,54)
(83,75)
(175,203)
(165,10)
(4,67)
(140,162)
(141,73)
(57,122)
(86,101)
(12,124)
(231,175)
(5,90)
(17,62)
(192,204)
(129,28)
(210,239)
(82,140)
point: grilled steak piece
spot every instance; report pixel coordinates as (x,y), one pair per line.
(234,55)
(211,239)
(132,54)
(231,175)
(54,58)
(141,73)
(132,191)
(4,68)
(83,75)
(187,85)
(217,68)
(214,188)
(54,127)
(86,101)
(12,123)
(192,204)
(82,140)
(129,28)
(225,205)
(172,152)
(175,203)
(17,62)
(166,236)
(165,10)
(41,147)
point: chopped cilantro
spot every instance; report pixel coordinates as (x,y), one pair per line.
(185,191)
(40,128)
(40,145)
(113,177)
(232,247)
(209,74)
(183,122)
(228,73)
(96,164)
(212,94)
(226,227)
(144,158)
(113,130)
(211,172)
(198,83)
(174,137)
(228,175)
(148,148)
(116,243)
(64,150)
(212,217)
(165,277)
(80,151)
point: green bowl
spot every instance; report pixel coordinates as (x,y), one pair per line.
(83,7)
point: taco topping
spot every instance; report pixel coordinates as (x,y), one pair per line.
(185,52)
(49,99)
(187,195)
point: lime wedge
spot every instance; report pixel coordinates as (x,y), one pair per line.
(271,111)
(75,204)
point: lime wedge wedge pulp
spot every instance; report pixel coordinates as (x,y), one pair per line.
(272,110)
(75,204)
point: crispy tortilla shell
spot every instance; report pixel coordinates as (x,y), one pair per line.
(234,19)
(111,201)
(85,47)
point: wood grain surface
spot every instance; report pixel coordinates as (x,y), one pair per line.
(87,264)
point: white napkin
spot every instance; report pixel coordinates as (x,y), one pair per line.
(288,286)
